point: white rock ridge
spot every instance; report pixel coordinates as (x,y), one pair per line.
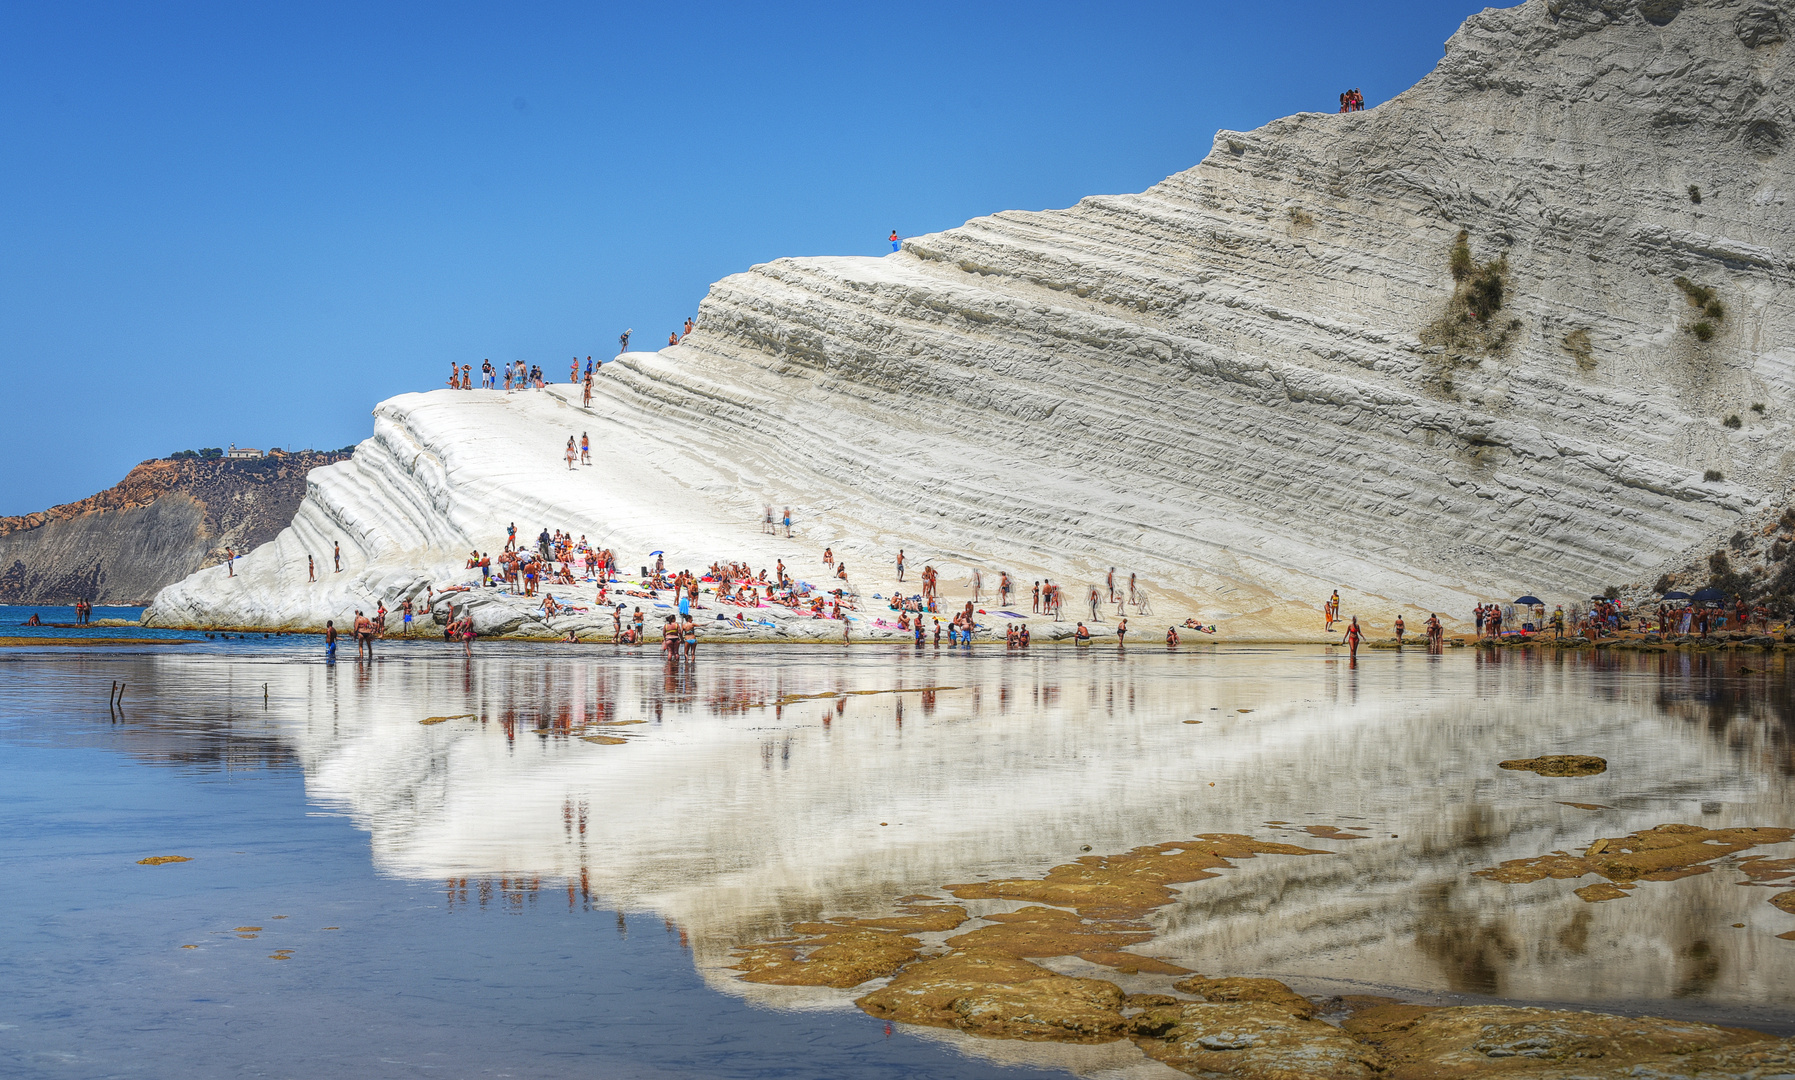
(1227,384)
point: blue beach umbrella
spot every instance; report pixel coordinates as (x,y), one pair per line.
(1673,595)
(1530,601)
(1709,596)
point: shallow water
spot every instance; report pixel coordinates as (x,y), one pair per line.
(511,898)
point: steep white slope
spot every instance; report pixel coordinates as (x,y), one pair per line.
(1237,383)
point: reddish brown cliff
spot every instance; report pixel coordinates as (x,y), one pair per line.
(163,521)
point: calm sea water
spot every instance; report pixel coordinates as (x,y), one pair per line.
(492,894)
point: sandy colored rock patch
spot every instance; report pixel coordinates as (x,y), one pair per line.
(162,860)
(1559,765)
(1238,990)
(1754,1061)
(839,960)
(1442,1044)
(1259,1041)
(1001,996)
(1045,931)
(1130,884)
(1665,853)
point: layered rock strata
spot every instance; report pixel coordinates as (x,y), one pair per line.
(1490,337)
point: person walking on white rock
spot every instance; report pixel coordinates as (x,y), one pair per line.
(900,564)
(230,563)
(1003,588)
(311,568)
(338,555)
(572,453)
(766,524)
(586,443)
(788,523)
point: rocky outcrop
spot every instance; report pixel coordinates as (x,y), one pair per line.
(163,521)
(1501,334)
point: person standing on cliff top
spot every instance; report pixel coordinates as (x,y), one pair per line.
(688,331)
(623,340)
(896,244)
(230,563)
(672,337)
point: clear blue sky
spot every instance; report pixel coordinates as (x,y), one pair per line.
(249,222)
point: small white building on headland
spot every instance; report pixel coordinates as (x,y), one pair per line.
(245,452)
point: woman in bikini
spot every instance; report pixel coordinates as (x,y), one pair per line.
(585,448)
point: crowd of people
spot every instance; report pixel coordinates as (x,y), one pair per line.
(518,375)
(1610,616)
(1352,101)
(1605,616)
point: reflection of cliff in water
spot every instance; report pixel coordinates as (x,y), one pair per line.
(1744,700)
(174,714)
(692,792)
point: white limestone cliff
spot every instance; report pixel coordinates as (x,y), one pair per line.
(1245,384)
